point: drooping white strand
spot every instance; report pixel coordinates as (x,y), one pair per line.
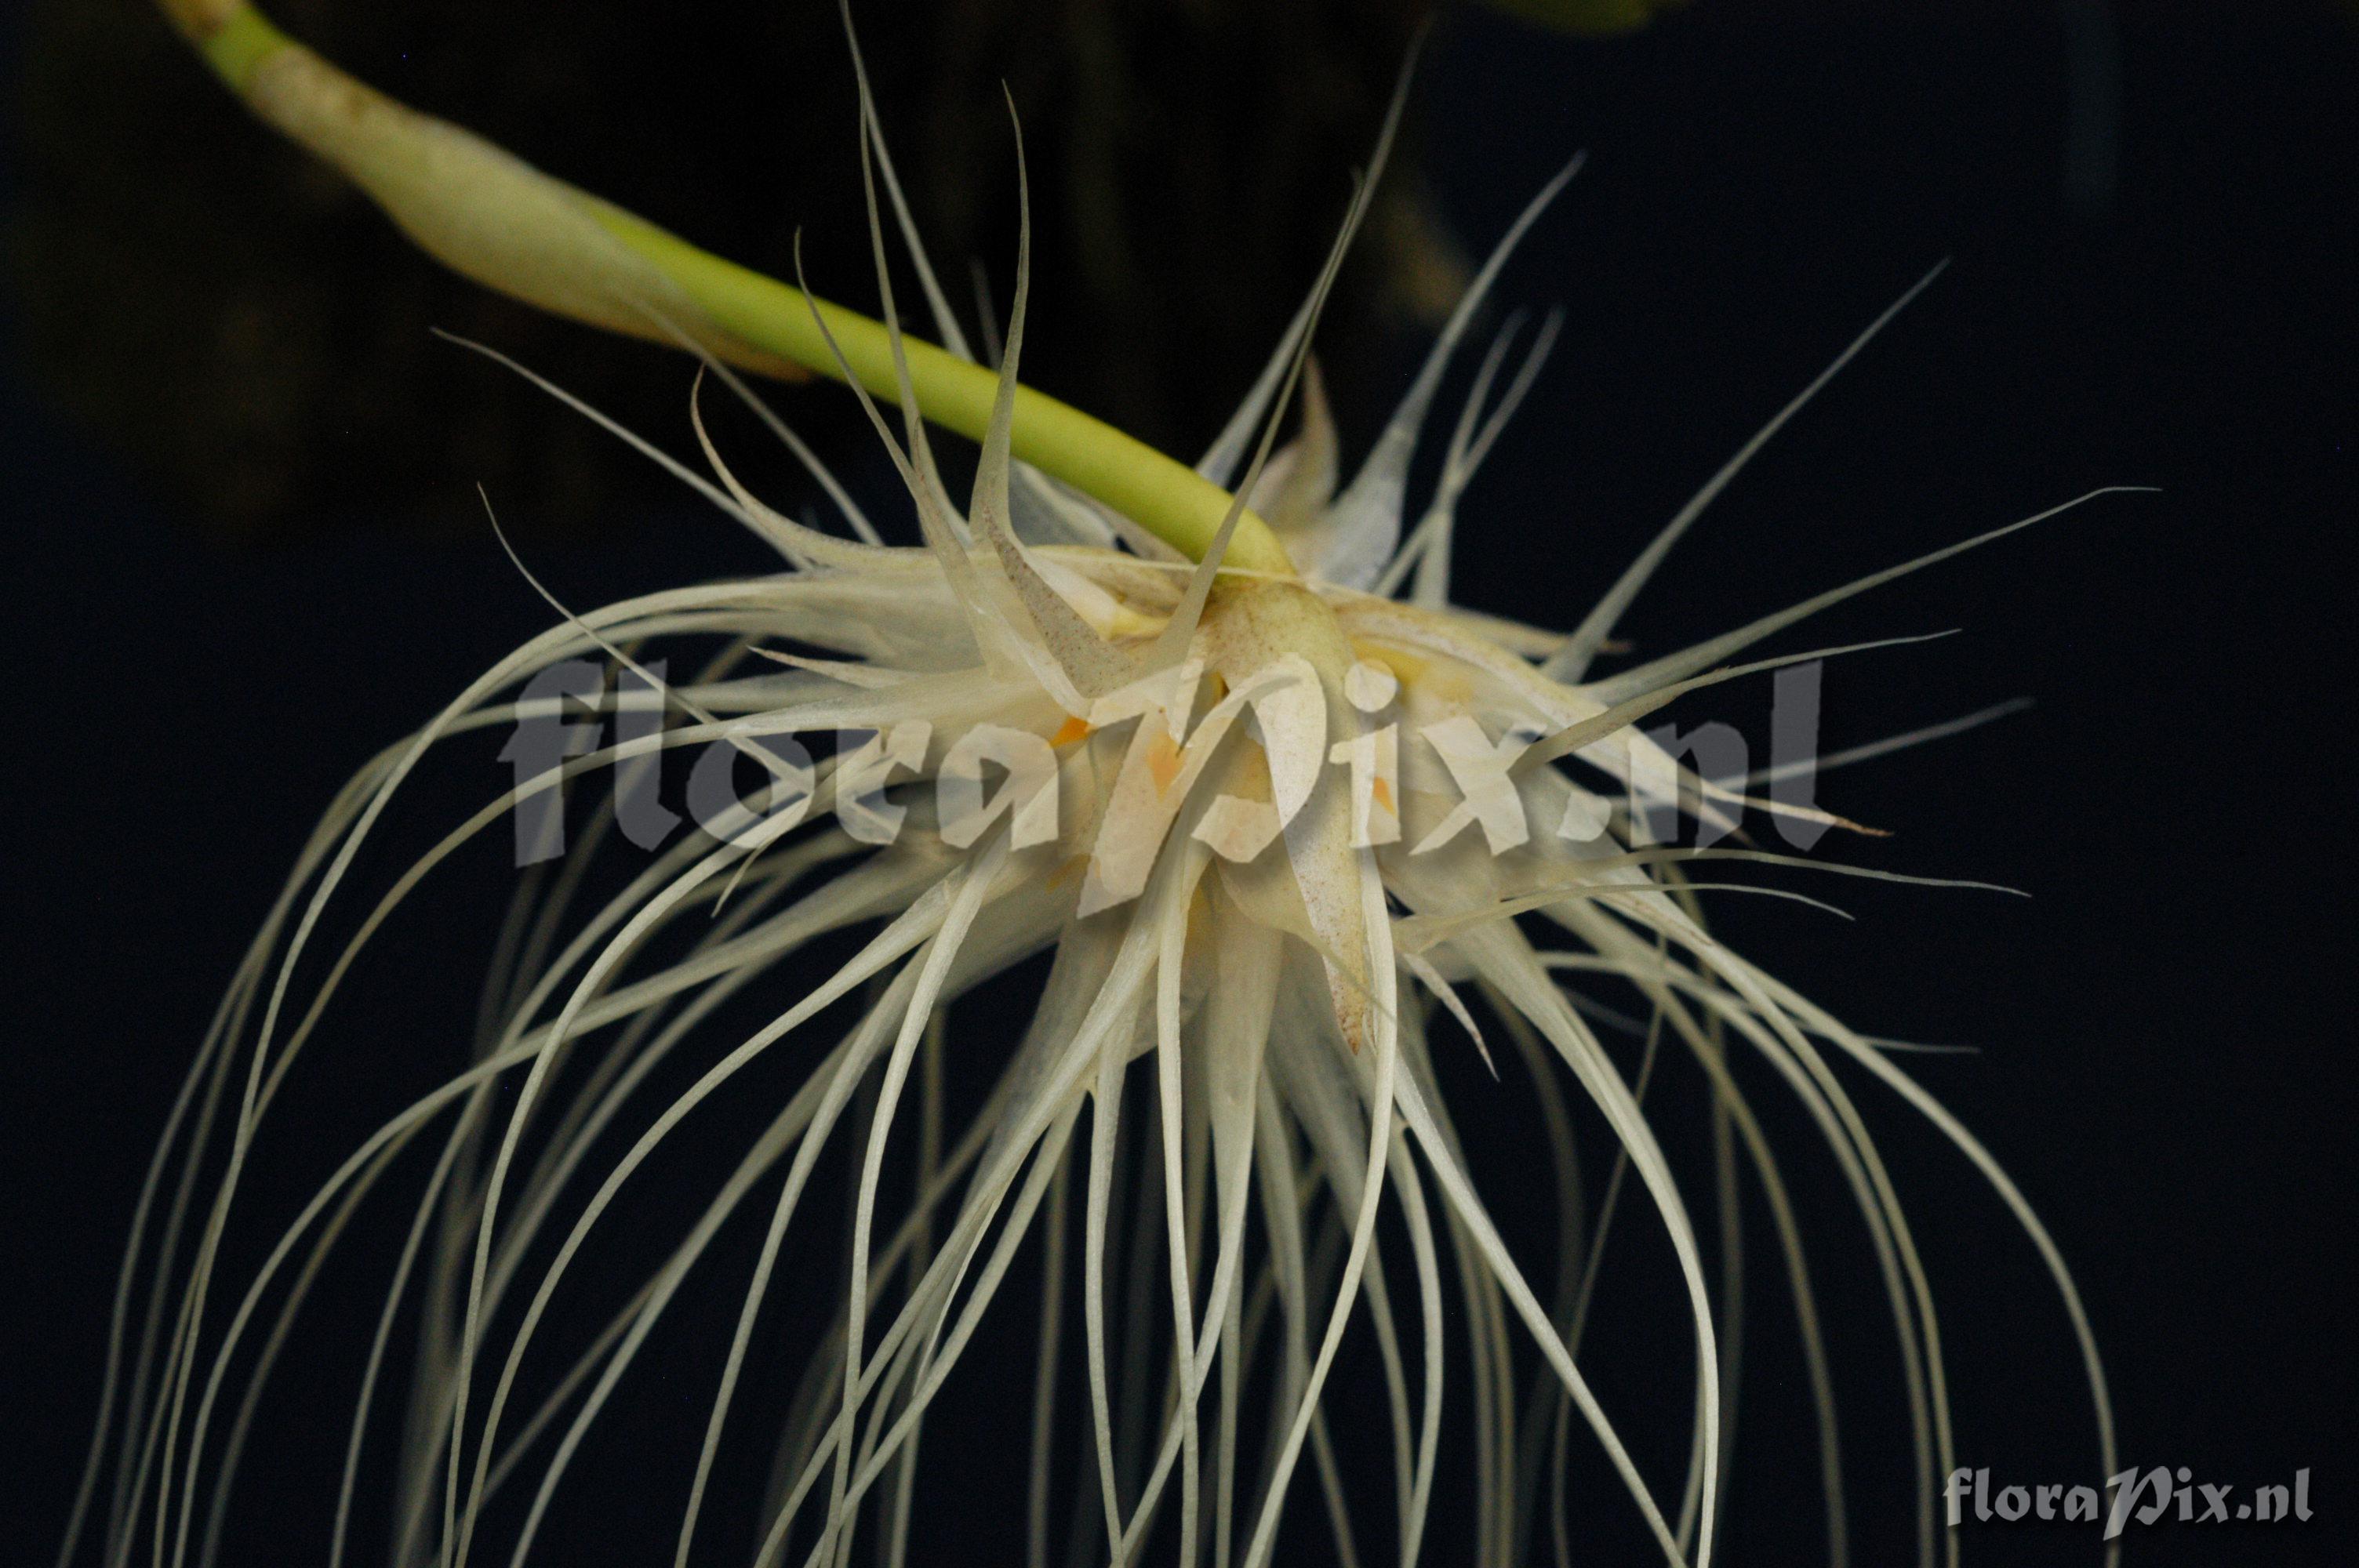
(2050,1255)
(1173,921)
(1377,923)
(1105,1124)
(914,926)
(1765,1028)
(1659,980)
(934,971)
(1049,1359)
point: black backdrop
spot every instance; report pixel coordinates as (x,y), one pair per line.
(2158,295)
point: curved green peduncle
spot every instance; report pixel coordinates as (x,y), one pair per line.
(510,227)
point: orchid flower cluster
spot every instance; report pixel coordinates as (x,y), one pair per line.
(1164,761)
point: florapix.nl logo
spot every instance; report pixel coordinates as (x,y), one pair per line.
(2148,1496)
(573,714)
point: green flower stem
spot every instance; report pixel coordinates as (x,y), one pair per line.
(510,227)
(1167,497)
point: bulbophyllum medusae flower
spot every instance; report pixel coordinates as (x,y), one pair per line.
(1271,804)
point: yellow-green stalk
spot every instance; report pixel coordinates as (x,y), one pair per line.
(497,220)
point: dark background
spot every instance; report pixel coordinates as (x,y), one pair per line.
(2150,212)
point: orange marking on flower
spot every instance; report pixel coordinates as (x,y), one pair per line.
(1162,761)
(1074,727)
